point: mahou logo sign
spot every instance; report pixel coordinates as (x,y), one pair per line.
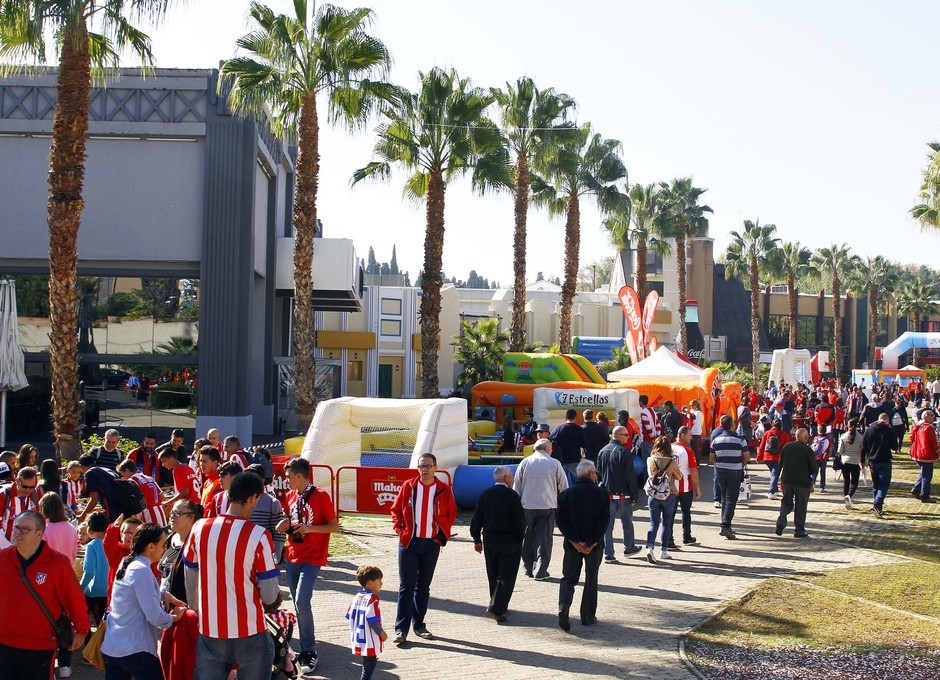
(377,488)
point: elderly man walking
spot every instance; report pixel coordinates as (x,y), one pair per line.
(798,466)
(583,515)
(497,528)
(539,480)
(617,475)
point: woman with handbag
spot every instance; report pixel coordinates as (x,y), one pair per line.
(63,538)
(662,495)
(136,617)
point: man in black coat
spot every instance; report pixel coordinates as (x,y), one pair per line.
(568,441)
(583,515)
(500,518)
(596,435)
(616,474)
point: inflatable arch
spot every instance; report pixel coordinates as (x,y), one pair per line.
(549,403)
(904,342)
(394,432)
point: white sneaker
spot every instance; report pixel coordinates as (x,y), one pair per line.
(649,556)
(65,671)
(717,504)
(664,555)
(848,503)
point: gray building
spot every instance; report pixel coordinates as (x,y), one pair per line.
(176,189)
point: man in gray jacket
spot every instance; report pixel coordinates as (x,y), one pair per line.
(616,474)
(539,480)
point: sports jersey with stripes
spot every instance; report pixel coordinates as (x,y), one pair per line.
(231,555)
(240,458)
(425,526)
(154,513)
(362,615)
(12,505)
(650,426)
(76,489)
(186,481)
(685,459)
(220,504)
(728,448)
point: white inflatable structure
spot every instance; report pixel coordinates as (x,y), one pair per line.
(550,403)
(904,342)
(408,427)
(791,366)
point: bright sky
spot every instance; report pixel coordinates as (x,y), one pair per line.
(809,115)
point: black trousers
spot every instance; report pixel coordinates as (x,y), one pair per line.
(502,566)
(795,500)
(26,664)
(571,574)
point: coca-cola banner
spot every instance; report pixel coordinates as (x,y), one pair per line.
(630,302)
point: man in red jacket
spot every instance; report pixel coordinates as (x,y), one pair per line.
(28,643)
(422,516)
(925,450)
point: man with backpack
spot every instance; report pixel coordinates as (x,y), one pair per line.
(105,487)
(878,442)
(768,453)
(108,455)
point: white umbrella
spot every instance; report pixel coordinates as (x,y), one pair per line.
(12,364)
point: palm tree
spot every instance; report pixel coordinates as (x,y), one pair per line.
(916,300)
(531,117)
(835,261)
(755,244)
(793,264)
(927,213)
(25,26)
(290,63)
(480,348)
(684,218)
(437,133)
(875,279)
(582,165)
(639,220)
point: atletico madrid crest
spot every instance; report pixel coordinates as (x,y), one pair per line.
(40,579)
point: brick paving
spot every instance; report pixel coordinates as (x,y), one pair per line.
(642,608)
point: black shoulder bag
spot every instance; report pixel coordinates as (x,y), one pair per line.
(62,626)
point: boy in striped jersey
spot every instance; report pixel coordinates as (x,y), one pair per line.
(153,497)
(365,620)
(75,485)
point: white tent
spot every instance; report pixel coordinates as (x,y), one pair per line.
(662,366)
(12,364)
(791,366)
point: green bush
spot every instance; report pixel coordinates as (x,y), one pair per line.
(93,440)
(171,395)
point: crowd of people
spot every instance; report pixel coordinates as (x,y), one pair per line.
(172,554)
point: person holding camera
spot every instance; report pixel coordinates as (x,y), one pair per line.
(310,521)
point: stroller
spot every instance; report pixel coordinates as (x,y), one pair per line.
(281,628)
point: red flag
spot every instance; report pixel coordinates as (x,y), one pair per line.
(649,311)
(630,302)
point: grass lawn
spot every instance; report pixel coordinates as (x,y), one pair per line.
(351,538)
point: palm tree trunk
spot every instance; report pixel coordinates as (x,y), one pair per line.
(755,321)
(66,181)
(791,300)
(836,325)
(431,286)
(680,265)
(873,326)
(517,327)
(569,285)
(641,275)
(916,354)
(305,225)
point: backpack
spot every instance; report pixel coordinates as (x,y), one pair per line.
(127,496)
(819,449)
(264,462)
(657,486)
(896,419)
(772,445)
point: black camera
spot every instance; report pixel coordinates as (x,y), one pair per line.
(295,536)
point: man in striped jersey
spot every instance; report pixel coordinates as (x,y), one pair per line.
(233,452)
(154,513)
(422,516)
(220,501)
(231,578)
(729,454)
(650,427)
(17,498)
(108,455)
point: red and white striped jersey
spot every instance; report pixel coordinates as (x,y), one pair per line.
(231,555)
(685,459)
(219,506)
(650,426)
(362,614)
(154,514)
(425,526)
(240,458)
(12,505)
(76,489)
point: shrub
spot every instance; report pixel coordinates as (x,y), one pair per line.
(171,395)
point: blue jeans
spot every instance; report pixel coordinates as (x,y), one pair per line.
(661,512)
(922,485)
(774,467)
(368,666)
(139,666)
(821,473)
(301,578)
(624,510)
(880,482)
(729,484)
(254,654)
(416,565)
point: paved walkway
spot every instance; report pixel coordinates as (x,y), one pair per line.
(642,608)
